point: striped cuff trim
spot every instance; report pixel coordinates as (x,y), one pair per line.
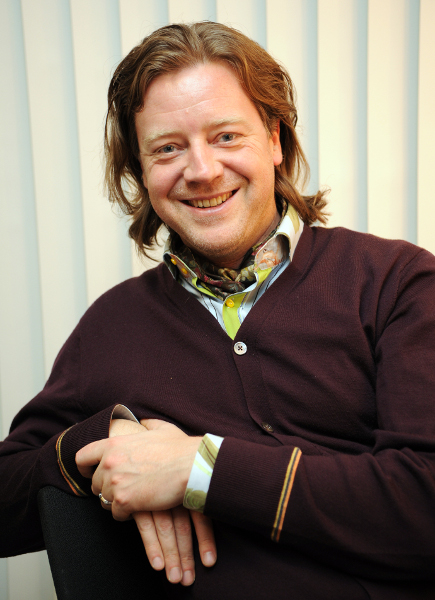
(72,484)
(285,494)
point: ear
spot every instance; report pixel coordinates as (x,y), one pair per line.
(276,149)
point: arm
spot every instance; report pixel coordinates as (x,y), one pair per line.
(28,458)
(40,451)
(369,513)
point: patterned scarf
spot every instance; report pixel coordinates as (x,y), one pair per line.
(222,281)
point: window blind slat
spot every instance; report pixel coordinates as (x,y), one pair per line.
(97,50)
(53,122)
(391,183)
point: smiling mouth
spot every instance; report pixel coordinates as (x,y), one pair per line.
(208,202)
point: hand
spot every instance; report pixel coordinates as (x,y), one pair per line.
(146,471)
(167,537)
(167,534)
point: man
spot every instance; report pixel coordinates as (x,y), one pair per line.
(283,374)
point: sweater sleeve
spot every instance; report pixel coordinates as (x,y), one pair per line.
(28,458)
(369,514)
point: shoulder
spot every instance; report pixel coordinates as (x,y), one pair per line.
(130,297)
(370,267)
(352,247)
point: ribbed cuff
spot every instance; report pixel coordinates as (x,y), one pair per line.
(76,437)
(251,486)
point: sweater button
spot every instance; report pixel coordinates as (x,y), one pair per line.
(267,427)
(240,348)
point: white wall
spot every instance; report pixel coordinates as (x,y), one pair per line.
(364,71)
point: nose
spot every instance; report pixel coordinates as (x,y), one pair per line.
(202,164)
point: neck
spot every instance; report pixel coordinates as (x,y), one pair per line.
(235,261)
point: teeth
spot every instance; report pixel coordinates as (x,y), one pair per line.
(210,202)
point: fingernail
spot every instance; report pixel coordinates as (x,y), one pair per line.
(208,559)
(174,575)
(158,563)
(188,578)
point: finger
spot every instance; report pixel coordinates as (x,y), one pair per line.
(183,534)
(104,501)
(119,512)
(86,471)
(156,424)
(89,456)
(165,529)
(147,529)
(104,505)
(97,484)
(206,542)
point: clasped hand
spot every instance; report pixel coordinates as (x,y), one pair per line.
(143,470)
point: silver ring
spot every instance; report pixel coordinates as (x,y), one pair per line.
(103,499)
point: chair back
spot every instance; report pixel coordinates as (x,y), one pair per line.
(91,555)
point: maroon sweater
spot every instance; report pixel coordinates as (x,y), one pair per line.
(340,363)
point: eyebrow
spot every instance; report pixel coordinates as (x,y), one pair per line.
(149,139)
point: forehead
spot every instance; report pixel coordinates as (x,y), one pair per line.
(206,93)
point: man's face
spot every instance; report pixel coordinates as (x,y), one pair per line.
(208,161)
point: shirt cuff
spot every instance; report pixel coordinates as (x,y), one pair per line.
(122,412)
(195,495)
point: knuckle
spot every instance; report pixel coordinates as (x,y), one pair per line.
(171,557)
(153,549)
(115,480)
(122,500)
(165,527)
(145,525)
(183,528)
(207,539)
(187,559)
(111,461)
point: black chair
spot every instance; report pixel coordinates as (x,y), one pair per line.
(91,555)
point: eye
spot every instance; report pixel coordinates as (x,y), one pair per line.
(167,149)
(228,137)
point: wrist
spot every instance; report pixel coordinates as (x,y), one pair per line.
(124,427)
(201,473)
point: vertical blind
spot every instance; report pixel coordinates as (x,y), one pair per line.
(364,71)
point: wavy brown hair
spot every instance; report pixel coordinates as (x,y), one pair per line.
(176,47)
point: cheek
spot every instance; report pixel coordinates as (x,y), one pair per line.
(243,163)
(159,182)
(256,159)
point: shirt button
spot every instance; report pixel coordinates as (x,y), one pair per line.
(229,303)
(240,348)
(184,271)
(173,261)
(267,427)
